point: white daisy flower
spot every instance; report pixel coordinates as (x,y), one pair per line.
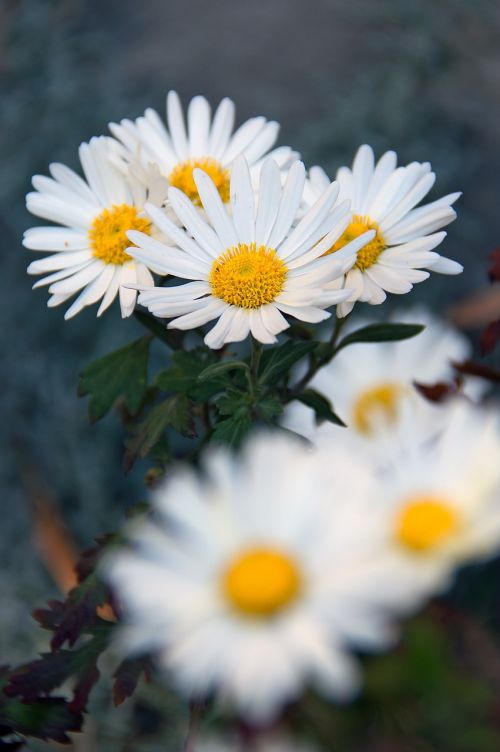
(383,198)
(246,264)
(252,581)
(90,246)
(207,144)
(372,385)
(439,506)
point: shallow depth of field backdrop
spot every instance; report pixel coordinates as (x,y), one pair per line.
(417,76)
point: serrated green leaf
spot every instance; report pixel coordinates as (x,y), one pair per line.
(174,412)
(232,430)
(120,375)
(49,718)
(218,369)
(231,401)
(381,333)
(182,376)
(279,360)
(269,407)
(321,406)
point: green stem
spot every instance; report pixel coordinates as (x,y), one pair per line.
(196,710)
(255,357)
(315,363)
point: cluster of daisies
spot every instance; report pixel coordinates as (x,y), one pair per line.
(208,223)
(267,573)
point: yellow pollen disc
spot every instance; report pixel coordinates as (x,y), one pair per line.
(107,237)
(368,255)
(182,177)
(261,582)
(247,276)
(425,523)
(377,404)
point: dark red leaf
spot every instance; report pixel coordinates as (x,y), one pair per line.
(438,392)
(494,268)
(471,368)
(127,676)
(490,337)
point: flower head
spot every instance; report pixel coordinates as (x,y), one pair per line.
(440,502)
(384,199)
(246,264)
(373,385)
(210,145)
(253,580)
(91,244)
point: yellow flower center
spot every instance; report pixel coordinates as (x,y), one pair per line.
(261,582)
(247,276)
(369,254)
(425,523)
(107,234)
(375,405)
(182,177)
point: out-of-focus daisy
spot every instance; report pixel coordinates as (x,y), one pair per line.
(211,145)
(439,505)
(88,251)
(371,385)
(384,198)
(252,581)
(246,265)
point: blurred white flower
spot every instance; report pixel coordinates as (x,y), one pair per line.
(90,247)
(383,198)
(372,385)
(251,581)
(246,265)
(211,145)
(439,504)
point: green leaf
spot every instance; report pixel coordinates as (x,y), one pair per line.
(232,401)
(381,333)
(321,406)
(120,375)
(49,718)
(279,360)
(232,430)
(269,408)
(218,369)
(174,412)
(182,376)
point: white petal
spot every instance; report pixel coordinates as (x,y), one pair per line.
(211,310)
(176,234)
(198,126)
(242,201)
(242,138)
(59,261)
(290,202)
(259,329)
(269,196)
(55,239)
(222,128)
(362,171)
(78,280)
(176,126)
(192,219)
(215,209)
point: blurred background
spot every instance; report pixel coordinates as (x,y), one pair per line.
(414,75)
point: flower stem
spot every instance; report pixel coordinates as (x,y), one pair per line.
(315,363)
(196,710)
